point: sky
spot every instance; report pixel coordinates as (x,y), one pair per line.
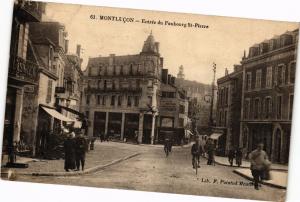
(196,49)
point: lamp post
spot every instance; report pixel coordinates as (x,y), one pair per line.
(210,98)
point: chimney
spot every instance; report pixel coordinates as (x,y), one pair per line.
(164,75)
(66,46)
(226,71)
(169,79)
(78,49)
(172,80)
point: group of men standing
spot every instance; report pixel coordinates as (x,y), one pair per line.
(75,147)
(259,164)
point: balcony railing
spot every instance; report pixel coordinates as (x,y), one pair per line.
(23,70)
(108,90)
(32,9)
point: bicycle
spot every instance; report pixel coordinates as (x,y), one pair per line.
(196,164)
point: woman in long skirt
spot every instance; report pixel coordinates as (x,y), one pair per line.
(69,146)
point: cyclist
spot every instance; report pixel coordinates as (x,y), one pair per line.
(196,153)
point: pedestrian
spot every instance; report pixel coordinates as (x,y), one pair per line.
(69,147)
(210,148)
(80,150)
(231,155)
(196,152)
(101,136)
(239,156)
(259,164)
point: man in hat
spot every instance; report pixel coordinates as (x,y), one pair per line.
(80,149)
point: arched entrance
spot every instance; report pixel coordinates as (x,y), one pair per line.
(277,149)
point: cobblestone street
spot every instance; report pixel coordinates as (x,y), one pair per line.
(152,171)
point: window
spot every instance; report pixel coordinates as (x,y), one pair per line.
(121,70)
(226,96)
(98,99)
(105,84)
(181,122)
(248,81)
(181,109)
(269,77)
(225,118)
(220,118)
(136,101)
(279,74)
(23,40)
(131,69)
(279,106)
(291,106)
(247,109)
(258,79)
(104,100)
(268,107)
(138,83)
(112,101)
(87,99)
(292,72)
(256,108)
(114,70)
(129,101)
(49,91)
(50,57)
(119,100)
(113,85)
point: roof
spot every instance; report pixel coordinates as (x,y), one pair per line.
(150,45)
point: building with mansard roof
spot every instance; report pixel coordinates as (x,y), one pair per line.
(121,94)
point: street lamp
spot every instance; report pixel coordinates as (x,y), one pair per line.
(153,111)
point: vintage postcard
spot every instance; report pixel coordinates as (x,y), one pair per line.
(150,101)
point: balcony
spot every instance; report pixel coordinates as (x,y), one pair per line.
(90,90)
(31,11)
(22,70)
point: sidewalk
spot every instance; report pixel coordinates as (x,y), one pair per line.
(246,164)
(103,155)
(278,178)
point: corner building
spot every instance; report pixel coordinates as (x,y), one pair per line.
(121,94)
(268,94)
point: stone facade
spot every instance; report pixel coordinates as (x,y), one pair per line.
(173,110)
(121,94)
(229,108)
(268,89)
(23,71)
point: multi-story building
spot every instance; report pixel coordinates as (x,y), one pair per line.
(39,106)
(227,130)
(121,93)
(173,109)
(69,96)
(22,72)
(268,93)
(199,95)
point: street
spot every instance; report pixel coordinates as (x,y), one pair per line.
(152,171)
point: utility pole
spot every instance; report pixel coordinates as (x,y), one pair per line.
(212,96)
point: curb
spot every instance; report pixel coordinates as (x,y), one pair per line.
(262,182)
(86,171)
(235,166)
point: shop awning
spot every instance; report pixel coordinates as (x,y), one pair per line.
(57,115)
(81,115)
(215,136)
